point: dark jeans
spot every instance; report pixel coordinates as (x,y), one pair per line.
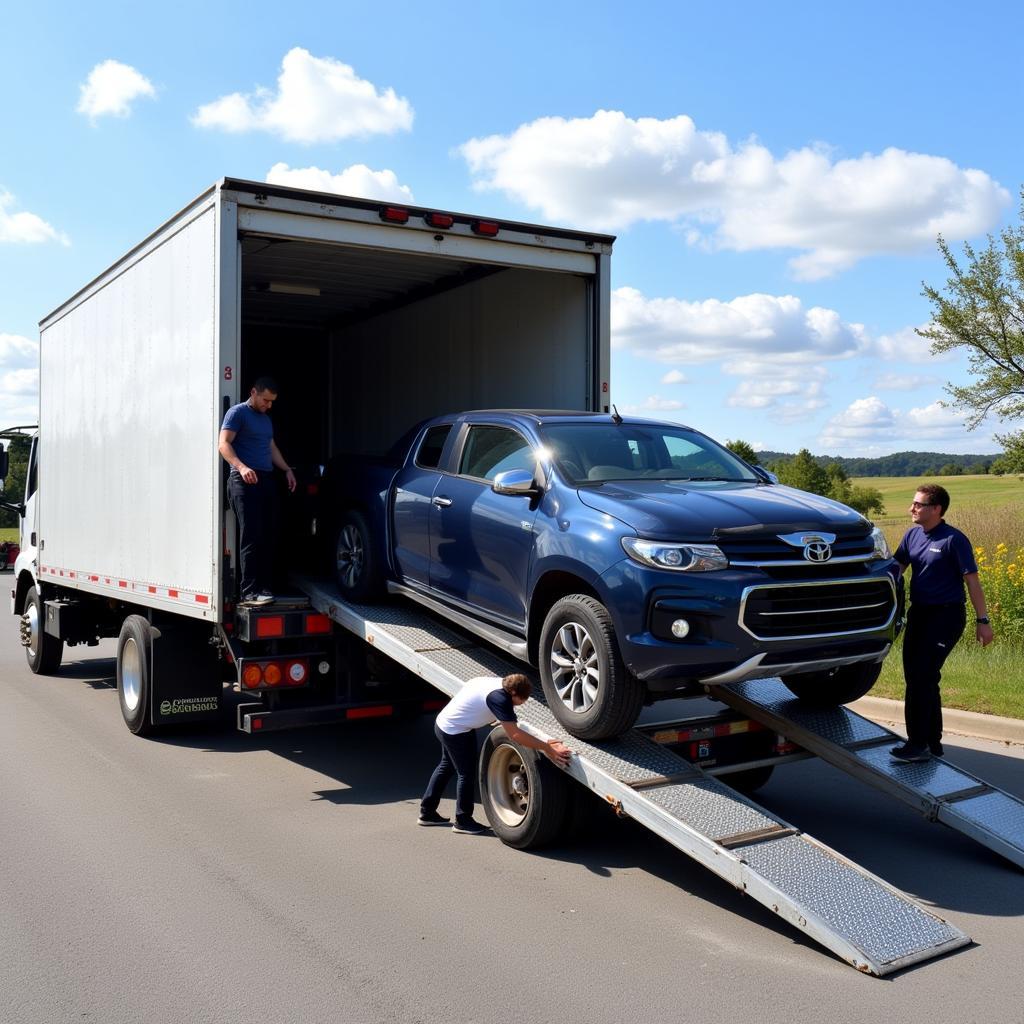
(458,757)
(255,508)
(932,632)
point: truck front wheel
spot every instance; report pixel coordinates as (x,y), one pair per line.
(42,651)
(135,674)
(835,686)
(587,686)
(525,797)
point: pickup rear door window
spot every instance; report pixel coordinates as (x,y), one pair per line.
(432,446)
(482,542)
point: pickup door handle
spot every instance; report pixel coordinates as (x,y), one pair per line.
(442,502)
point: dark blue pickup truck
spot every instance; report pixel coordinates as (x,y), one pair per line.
(629,560)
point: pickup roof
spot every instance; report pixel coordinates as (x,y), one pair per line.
(629,560)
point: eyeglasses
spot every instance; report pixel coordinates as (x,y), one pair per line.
(922,504)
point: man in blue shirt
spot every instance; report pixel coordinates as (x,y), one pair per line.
(941,560)
(247,445)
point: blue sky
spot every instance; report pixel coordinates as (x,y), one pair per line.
(776,174)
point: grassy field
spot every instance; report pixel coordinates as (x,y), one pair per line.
(8,533)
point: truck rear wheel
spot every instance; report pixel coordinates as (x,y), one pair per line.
(355,559)
(42,651)
(135,674)
(525,797)
(836,686)
(587,686)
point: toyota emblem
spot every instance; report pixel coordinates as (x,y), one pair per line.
(817,551)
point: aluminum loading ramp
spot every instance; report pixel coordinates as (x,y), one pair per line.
(850,911)
(860,747)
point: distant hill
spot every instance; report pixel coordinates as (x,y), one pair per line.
(897,464)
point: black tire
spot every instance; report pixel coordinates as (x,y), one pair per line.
(835,686)
(355,559)
(43,652)
(750,779)
(135,674)
(578,631)
(525,797)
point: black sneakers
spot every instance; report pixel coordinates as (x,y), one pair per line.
(909,754)
(432,818)
(469,828)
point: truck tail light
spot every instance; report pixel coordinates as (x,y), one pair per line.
(272,674)
(317,624)
(439,220)
(394,214)
(296,673)
(269,625)
(252,676)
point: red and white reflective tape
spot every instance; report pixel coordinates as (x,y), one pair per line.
(135,586)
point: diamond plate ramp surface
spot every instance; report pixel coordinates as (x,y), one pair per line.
(848,910)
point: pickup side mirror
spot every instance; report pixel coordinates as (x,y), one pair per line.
(766,474)
(516,482)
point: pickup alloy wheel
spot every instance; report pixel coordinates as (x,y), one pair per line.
(355,564)
(585,682)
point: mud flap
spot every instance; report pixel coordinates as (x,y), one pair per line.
(185,674)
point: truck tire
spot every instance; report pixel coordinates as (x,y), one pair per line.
(525,797)
(355,559)
(835,686)
(135,674)
(42,651)
(587,686)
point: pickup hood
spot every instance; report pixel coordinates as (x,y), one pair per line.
(681,510)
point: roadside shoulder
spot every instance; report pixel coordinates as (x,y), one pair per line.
(960,723)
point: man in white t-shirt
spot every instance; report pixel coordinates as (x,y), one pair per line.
(480,702)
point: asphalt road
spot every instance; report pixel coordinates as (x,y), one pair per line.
(223,878)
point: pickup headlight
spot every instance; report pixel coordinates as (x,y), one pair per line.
(660,554)
(881,545)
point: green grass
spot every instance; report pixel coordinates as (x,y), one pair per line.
(988,680)
(8,533)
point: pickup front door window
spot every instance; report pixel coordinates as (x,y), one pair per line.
(481,542)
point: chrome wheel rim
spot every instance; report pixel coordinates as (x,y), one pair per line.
(508,785)
(131,675)
(350,556)
(575,669)
(33,629)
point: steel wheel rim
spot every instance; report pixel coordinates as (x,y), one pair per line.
(350,556)
(575,667)
(131,675)
(508,785)
(33,629)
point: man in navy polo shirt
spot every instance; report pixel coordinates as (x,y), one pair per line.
(481,701)
(247,445)
(941,560)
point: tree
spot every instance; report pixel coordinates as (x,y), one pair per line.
(17,467)
(743,450)
(803,472)
(981,311)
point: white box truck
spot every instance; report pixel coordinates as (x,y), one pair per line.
(371,316)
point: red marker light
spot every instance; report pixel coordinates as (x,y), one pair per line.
(394,214)
(485,227)
(270,625)
(440,220)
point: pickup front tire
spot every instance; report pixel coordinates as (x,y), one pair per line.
(835,686)
(587,686)
(355,559)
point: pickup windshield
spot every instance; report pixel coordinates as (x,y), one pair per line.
(595,452)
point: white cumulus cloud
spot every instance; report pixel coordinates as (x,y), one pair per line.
(24,226)
(870,421)
(318,99)
(19,380)
(610,171)
(904,381)
(674,377)
(357,180)
(652,404)
(111,88)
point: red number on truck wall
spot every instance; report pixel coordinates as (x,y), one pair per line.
(227,373)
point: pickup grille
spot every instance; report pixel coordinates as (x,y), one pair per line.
(767,550)
(803,610)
